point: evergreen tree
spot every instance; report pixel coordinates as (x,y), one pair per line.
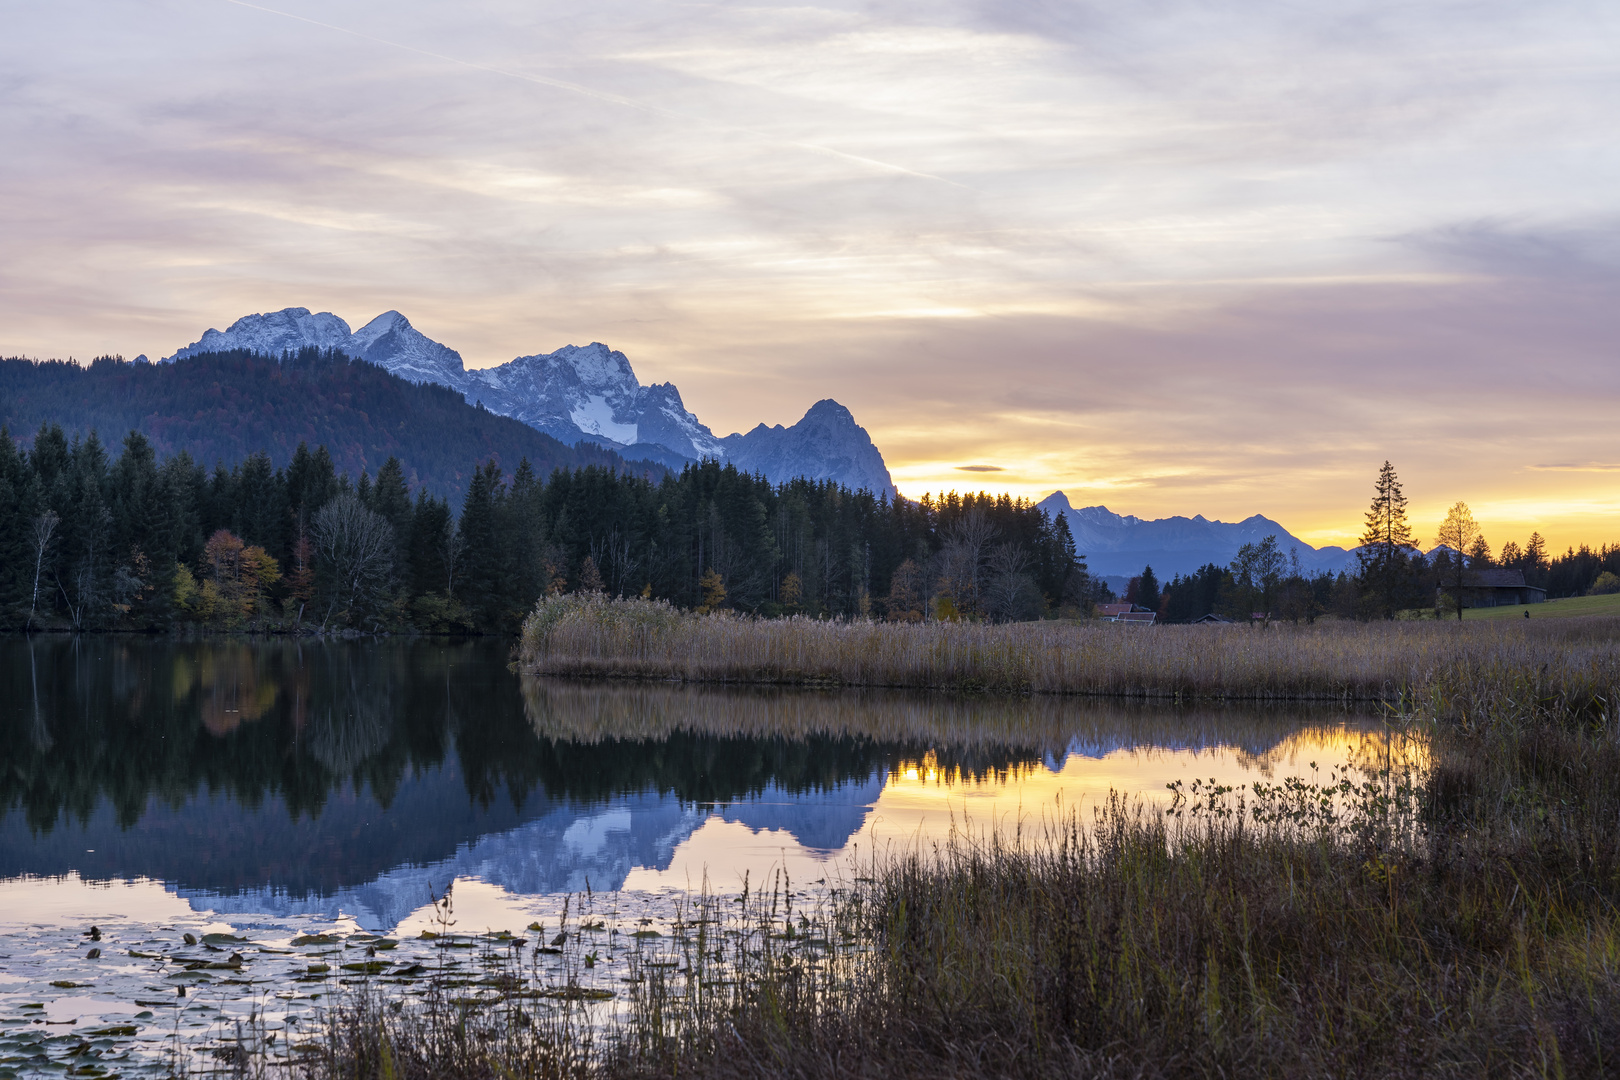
(1147,589)
(16,511)
(433,538)
(391,498)
(479,574)
(260,514)
(1384,562)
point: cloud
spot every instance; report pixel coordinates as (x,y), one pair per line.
(980,468)
(1581,252)
(1199,258)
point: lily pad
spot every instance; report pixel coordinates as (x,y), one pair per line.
(579,993)
(316,939)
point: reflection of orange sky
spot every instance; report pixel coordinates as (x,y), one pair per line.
(919,805)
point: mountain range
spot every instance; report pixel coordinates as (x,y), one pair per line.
(1118,546)
(576,394)
(222,407)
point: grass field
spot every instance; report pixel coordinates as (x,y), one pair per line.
(1570,606)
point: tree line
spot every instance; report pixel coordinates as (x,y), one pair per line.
(93,541)
(1391,574)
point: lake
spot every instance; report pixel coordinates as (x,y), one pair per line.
(263,790)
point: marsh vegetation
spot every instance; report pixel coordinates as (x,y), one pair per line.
(1448,910)
(1400,921)
(594,636)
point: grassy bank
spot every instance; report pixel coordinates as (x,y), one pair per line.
(1565,608)
(634,639)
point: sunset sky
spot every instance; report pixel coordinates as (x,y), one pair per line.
(1172,257)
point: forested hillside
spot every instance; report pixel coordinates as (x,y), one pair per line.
(224,407)
(137,541)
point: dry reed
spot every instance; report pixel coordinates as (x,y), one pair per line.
(633,639)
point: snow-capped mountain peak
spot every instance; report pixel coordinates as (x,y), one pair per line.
(577,393)
(599,369)
(391,342)
(273,334)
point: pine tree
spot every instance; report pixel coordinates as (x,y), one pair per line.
(479,575)
(1385,542)
(1147,589)
(16,489)
(433,539)
(392,499)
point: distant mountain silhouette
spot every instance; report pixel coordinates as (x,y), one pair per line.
(1121,545)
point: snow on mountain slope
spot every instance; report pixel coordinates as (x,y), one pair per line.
(390,341)
(577,393)
(1122,544)
(282,331)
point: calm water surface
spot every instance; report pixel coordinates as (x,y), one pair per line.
(272,789)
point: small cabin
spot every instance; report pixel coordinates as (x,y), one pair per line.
(1494,588)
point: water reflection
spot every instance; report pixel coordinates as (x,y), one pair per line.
(289,777)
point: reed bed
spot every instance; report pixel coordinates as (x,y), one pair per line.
(592,636)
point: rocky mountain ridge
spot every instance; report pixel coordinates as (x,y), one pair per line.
(1122,544)
(576,394)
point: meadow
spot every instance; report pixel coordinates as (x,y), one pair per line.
(1563,608)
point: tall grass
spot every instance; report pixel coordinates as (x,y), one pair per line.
(637,639)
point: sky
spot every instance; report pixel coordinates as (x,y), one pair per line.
(1172,257)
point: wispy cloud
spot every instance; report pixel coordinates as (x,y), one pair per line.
(1207,259)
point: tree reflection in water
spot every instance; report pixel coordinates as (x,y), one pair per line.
(308,765)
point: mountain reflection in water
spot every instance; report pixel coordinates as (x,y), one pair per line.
(295,775)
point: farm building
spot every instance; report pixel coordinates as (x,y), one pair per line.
(1496,588)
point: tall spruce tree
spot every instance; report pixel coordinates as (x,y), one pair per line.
(1383,558)
(391,498)
(480,571)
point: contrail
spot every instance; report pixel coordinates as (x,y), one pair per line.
(598,95)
